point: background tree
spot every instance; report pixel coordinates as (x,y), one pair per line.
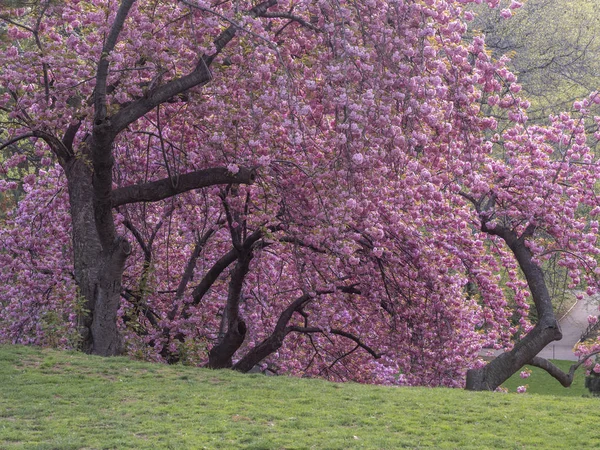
(553,48)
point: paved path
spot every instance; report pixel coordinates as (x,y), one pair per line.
(572,326)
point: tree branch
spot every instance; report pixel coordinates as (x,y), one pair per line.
(199,76)
(161,189)
(564,378)
(361,344)
(293,18)
(63,153)
(210,277)
(189,271)
(220,355)
(272,343)
(275,340)
(102,71)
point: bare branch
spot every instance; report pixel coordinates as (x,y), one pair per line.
(63,153)
(361,344)
(140,239)
(189,271)
(300,243)
(293,18)
(305,330)
(342,333)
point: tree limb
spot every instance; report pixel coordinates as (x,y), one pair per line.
(199,76)
(161,189)
(189,271)
(220,355)
(102,70)
(62,152)
(275,340)
(564,378)
(293,18)
(361,344)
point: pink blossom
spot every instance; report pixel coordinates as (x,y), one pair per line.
(358,158)
(521,389)
(29,179)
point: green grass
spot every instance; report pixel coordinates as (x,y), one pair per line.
(57,400)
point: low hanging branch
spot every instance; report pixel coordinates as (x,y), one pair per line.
(564,378)
(272,343)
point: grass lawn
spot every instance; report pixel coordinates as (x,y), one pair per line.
(58,400)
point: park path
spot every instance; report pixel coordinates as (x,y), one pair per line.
(572,325)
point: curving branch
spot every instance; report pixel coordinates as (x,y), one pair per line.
(361,344)
(62,152)
(233,327)
(564,378)
(547,328)
(275,340)
(165,188)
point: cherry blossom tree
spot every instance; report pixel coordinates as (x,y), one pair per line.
(310,186)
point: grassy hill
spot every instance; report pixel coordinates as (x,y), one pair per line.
(58,400)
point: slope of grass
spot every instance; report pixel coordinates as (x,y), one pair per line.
(57,400)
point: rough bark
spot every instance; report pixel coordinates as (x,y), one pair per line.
(87,249)
(106,337)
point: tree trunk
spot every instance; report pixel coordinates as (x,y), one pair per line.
(220,356)
(98,273)
(505,365)
(547,329)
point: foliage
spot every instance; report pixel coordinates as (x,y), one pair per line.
(354,187)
